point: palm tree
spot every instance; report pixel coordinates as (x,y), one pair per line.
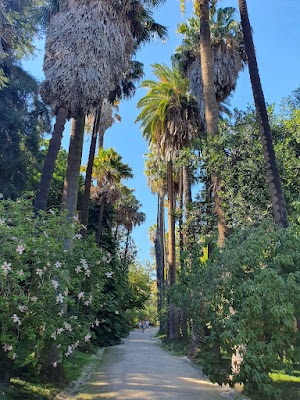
(273,177)
(102,120)
(108,170)
(169,119)
(74,86)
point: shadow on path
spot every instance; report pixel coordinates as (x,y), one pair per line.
(140,370)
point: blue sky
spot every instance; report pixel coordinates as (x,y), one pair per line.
(276,33)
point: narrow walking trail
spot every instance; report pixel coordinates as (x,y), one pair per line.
(140,369)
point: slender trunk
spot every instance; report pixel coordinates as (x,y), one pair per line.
(117,231)
(101,139)
(84,216)
(6,369)
(71,185)
(173,312)
(187,200)
(273,177)
(126,248)
(40,202)
(100,222)
(159,257)
(184,328)
(211,107)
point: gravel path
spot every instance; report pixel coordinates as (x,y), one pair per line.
(140,370)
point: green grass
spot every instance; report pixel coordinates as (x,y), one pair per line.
(288,384)
(30,390)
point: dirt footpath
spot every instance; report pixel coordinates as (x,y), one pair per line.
(140,370)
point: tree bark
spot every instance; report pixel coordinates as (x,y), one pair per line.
(273,177)
(40,202)
(84,215)
(71,185)
(173,312)
(159,256)
(211,108)
(100,222)
(126,248)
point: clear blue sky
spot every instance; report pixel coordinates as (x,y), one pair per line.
(276,32)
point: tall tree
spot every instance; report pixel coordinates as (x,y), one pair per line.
(273,177)
(73,88)
(169,119)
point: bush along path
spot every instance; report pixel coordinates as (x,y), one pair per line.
(140,369)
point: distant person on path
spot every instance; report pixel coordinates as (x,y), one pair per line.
(140,326)
(147,324)
(143,324)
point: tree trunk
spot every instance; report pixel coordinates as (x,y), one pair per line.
(273,177)
(187,200)
(173,312)
(40,202)
(100,222)
(126,248)
(84,215)
(211,107)
(71,185)
(159,257)
(184,328)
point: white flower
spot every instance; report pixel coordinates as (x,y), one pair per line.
(16,319)
(78,236)
(7,347)
(86,303)
(55,284)
(53,335)
(61,313)
(76,344)
(109,274)
(76,219)
(104,259)
(20,273)
(117,312)
(80,295)
(77,270)
(23,308)
(20,249)
(68,327)
(45,233)
(59,331)
(2,221)
(34,299)
(87,337)
(97,322)
(14,356)
(66,292)
(87,272)
(39,272)
(60,298)
(1,196)
(6,267)
(54,364)
(57,265)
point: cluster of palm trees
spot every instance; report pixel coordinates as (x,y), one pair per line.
(185,103)
(89,66)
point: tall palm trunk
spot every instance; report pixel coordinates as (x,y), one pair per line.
(159,258)
(84,215)
(126,248)
(40,202)
(71,185)
(173,313)
(211,109)
(184,329)
(273,177)
(100,222)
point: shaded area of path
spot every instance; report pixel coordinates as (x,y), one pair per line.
(140,370)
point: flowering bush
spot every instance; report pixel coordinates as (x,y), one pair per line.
(48,296)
